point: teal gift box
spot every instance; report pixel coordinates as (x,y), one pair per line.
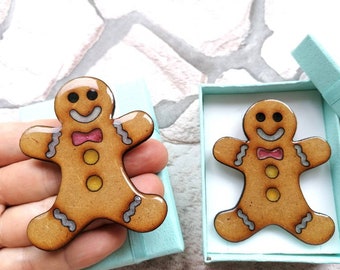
(167,238)
(316,106)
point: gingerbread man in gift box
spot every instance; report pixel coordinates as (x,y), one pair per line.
(272,162)
(89,147)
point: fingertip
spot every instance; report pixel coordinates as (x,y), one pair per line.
(93,246)
(10,134)
(150,156)
(148,183)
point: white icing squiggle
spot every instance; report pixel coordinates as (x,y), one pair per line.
(240,155)
(123,133)
(303,223)
(52,145)
(132,208)
(64,220)
(302,155)
(246,220)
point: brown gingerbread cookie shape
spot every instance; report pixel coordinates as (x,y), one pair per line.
(89,148)
(272,163)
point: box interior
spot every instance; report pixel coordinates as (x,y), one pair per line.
(222,111)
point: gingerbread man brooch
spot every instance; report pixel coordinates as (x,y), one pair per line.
(272,163)
(89,148)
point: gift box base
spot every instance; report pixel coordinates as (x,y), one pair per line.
(221,114)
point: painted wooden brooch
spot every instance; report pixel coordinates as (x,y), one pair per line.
(271,163)
(89,147)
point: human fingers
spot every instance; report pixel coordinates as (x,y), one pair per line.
(87,249)
(33,180)
(28,181)
(10,134)
(15,236)
(21,215)
(150,156)
(10,152)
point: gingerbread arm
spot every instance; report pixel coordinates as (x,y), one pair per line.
(134,127)
(230,151)
(312,151)
(40,142)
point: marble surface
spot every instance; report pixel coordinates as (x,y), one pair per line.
(172,45)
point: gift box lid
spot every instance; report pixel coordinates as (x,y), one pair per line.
(322,70)
(221,112)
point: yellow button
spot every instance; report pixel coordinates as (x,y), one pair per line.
(94,183)
(91,156)
(272,171)
(273,194)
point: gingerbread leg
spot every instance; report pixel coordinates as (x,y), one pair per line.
(314,228)
(53,229)
(144,213)
(234,225)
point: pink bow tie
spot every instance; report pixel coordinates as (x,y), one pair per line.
(263,153)
(94,135)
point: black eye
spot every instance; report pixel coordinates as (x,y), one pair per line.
(73,97)
(260,117)
(92,94)
(277,117)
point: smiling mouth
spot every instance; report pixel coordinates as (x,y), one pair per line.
(267,137)
(87,118)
